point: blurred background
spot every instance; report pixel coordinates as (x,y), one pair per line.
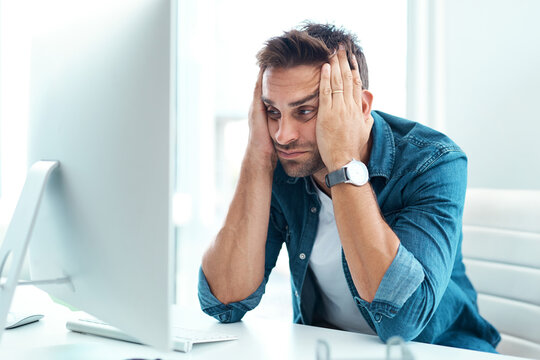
(467,68)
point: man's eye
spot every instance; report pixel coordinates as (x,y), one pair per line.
(273,113)
(306,114)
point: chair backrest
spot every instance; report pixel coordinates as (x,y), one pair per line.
(501,249)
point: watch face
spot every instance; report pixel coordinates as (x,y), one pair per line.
(357,173)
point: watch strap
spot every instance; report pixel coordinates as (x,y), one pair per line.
(336,177)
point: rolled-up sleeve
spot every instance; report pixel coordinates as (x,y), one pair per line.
(429,229)
(227,313)
(400,281)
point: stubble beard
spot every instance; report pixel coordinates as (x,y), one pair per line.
(302,168)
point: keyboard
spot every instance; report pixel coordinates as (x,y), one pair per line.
(183,339)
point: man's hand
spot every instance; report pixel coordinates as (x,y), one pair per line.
(260,144)
(343,121)
(343,128)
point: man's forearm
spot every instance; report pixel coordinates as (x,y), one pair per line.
(234,262)
(368,242)
(344,125)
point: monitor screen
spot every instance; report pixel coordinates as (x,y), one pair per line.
(102,104)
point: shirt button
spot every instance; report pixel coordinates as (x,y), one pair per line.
(302,256)
(378,317)
(296,293)
(286,227)
(313,210)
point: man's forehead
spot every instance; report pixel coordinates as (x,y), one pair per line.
(299,81)
(299,75)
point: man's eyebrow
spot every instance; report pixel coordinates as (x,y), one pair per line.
(267,101)
(296,103)
(306,99)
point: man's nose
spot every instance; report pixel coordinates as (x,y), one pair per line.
(287,131)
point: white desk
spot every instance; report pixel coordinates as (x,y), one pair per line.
(258,339)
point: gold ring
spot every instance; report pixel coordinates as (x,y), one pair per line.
(337,91)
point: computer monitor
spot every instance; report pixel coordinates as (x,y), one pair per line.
(102,103)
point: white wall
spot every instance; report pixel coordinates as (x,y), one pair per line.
(486,84)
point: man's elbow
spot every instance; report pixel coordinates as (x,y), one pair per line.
(411,319)
(230,316)
(407,331)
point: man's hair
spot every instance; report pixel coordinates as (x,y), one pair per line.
(312,44)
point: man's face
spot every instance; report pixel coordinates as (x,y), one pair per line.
(291,97)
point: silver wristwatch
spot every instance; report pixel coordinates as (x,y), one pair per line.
(355,172)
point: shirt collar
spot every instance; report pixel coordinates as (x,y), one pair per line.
(383,149)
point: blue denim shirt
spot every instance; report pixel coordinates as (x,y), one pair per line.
(419,177)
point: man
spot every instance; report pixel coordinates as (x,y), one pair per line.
(368,205)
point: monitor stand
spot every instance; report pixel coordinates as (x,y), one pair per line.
(18,234)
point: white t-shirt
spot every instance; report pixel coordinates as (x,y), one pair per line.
(325,262)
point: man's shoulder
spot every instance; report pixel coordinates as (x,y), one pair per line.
(414,146)
(418,135)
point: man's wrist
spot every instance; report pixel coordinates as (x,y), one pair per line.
(339,162)
(354,172)
(337,165)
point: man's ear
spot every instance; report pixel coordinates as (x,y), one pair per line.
(367,100)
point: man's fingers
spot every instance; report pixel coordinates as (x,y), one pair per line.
(336,81)
(325,89)
(357,83)
(257,92)
(346,74)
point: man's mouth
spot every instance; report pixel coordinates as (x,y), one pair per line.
(291,154)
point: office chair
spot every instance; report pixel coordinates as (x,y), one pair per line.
(501,249)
